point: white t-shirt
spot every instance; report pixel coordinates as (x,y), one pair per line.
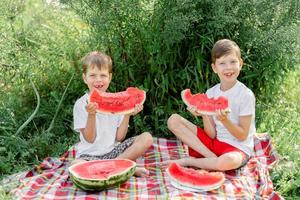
(242,103)
(106,129)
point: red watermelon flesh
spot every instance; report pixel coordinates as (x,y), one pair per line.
(118,103)
(195,179)
(101,169)
(204,104)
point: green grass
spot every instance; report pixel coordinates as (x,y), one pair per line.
(281,119)
(4,195)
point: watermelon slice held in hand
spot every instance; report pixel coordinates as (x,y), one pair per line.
(119,103)
(205,105)
(194,180)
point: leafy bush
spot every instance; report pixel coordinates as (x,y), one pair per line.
(164,46)
(38,43)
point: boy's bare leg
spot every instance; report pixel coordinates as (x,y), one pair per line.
(187,133)
(138,148)
(228,161)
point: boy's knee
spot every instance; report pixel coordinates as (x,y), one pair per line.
(228,162)
(173,120)
(146,139)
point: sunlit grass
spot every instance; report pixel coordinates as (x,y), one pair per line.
(4,195)
(281,119)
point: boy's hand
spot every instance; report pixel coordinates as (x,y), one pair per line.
(194,111)
(91,108)
(221,115)
(138,108)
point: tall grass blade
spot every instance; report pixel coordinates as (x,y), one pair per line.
(59,105)
(35,111)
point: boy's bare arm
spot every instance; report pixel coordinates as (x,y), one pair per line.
(209,126)
(238,131)
(123,128)
(89,132)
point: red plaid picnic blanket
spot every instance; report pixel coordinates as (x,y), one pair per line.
(50,180)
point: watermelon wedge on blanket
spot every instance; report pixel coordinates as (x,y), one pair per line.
(194,180)
(204,105)
(119,103)
(101,174)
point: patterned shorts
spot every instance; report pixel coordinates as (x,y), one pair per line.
(119,148)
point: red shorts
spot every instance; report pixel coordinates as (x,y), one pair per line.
(216,146)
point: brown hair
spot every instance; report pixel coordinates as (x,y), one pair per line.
(97,59)
(224,47)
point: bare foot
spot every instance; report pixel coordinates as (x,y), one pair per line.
(141,172)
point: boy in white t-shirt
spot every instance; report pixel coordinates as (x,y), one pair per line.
(226,142)
(101,135)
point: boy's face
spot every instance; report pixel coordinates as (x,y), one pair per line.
(228,68)
(97,79)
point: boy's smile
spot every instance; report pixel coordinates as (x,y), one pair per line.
(228,75)
(97,79)
(98,86)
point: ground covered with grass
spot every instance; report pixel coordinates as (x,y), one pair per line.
(280,117)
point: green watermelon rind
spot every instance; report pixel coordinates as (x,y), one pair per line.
(98,185)
(102,185)
(203,112)
(176,183)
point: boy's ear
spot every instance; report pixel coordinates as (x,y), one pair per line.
(84,78)
(241,63)
(213,66)
(110,76)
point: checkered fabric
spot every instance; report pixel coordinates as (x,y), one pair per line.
(50,180)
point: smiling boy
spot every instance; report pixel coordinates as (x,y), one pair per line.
(226,142)
(102,135)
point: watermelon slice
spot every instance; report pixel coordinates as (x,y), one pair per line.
(119,103)
(101,174)
(205,105)
(194,180)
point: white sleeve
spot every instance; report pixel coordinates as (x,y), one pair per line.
(211,92)
(80,115)
(247,104)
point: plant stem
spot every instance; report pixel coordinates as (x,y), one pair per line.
(35,111)
(59,105)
